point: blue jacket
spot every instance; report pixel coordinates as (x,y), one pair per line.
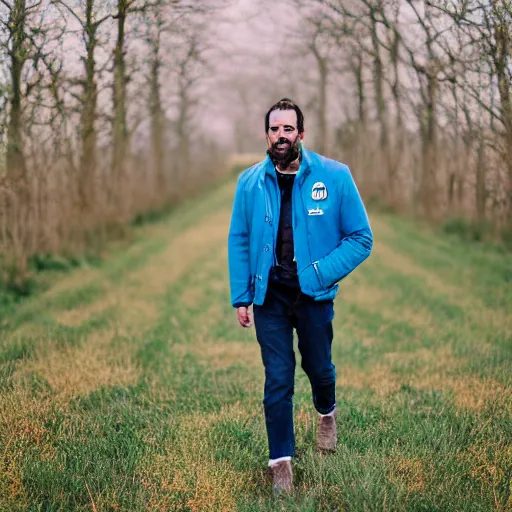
(332,235)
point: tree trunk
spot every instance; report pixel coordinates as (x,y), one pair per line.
(468,138)
(157,119)
(395,86)
(183,136)
(395,150)
(480,190)
(358,71)
(88,117)
(429,188)
(322,107)
(321,143)
(15,157)
(453,170)
(120,132)
(382,116)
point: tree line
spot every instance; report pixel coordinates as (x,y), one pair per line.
(100,106)
(424,91)
(97,107)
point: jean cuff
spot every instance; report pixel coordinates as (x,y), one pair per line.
(271,462)
(324,412)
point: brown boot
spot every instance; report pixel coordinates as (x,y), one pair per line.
(326,436)
(282,477)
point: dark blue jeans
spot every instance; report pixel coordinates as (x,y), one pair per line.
(283,310)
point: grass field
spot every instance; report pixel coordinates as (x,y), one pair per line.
(129,386)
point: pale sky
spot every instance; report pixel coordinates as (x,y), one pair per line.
(263,58)
(253,68)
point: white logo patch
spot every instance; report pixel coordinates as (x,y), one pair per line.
(319,192)
(315,211)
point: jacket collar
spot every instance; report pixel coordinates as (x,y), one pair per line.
(306,166)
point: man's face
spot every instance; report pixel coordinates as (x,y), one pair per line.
(283,137)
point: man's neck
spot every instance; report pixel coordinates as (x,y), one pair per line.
(291,169)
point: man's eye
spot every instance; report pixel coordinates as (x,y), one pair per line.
(274,128)
(289,129)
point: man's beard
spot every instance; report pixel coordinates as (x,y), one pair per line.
(284,158)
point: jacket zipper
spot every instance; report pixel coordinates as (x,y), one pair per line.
(274,225)
(315,266)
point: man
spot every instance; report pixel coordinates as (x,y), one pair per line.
(298,227)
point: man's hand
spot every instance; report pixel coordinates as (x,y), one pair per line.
(242,313)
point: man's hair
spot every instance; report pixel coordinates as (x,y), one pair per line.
(286,104)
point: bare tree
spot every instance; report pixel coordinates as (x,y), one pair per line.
(119,129)
(90,22)
(32,68)
(125,9)
(19,50)
(155,28)
(58,115)
(320,48)
(188,75)
(485,27)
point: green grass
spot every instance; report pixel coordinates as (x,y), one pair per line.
(129,385)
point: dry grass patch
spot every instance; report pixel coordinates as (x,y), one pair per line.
(192,296)
(474,309)
(85,275)
(185,249)
(489,462)
(204,484)
(364,295)
(79,278)
(437,369)
(216,352)
(409,472)
(135,311)
(399,262)
(475,394)
(72,371)
(381,229)
(496,319)
(426,360)
(60,373)
(135,298)
(189,468)
(419,318)
(306,419)
(379,378)
(371,298)
(19,411)
(76,316)
(221,355)
(429,370)
(470,393)
(22,419)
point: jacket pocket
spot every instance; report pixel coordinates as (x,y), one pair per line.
(310,280)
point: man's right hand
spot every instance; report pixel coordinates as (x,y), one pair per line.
(242,314)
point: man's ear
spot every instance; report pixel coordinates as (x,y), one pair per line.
(302,135)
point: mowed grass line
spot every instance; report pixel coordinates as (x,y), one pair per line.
(147,396)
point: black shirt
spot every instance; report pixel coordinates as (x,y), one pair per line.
(286,271)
